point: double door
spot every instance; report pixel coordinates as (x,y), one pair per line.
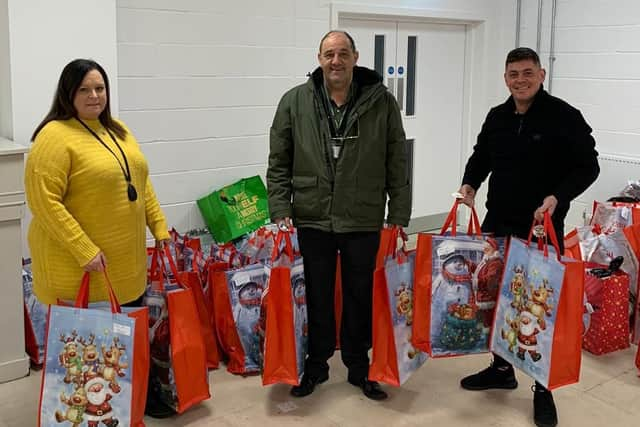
(423,66)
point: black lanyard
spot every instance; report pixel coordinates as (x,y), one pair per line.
(132,194)
(337,128)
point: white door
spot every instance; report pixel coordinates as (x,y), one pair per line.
(423,66)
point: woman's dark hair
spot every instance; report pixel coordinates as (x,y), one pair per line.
(70,80)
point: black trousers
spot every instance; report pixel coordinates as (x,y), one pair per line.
(357,257)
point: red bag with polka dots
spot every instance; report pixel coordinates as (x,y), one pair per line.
(607,305)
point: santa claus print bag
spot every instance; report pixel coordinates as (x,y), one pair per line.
(96,365)
(538,321)
(456,284)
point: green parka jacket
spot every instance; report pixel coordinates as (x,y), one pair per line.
(350,194)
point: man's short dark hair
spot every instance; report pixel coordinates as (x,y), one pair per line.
(522,54)
(353,44)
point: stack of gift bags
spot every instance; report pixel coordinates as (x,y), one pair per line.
(614,231)
(467,293)
(237,296)
(610,246)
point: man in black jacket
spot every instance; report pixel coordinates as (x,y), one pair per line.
(541,155)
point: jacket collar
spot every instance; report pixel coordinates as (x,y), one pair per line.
(538,99)
(362,76)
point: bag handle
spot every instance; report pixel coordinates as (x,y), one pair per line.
(473,229)
(544,232)
(158,267)
(288,246)
(82,299)
(392,249)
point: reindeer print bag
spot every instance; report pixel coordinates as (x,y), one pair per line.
(95,365)
(538,321)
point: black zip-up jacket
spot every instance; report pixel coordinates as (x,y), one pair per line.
(546,151)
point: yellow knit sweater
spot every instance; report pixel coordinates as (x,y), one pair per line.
(78,196)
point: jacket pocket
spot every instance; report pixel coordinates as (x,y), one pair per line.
(306,197)
(370,205)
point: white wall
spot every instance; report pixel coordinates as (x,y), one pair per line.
(199,84)
(6,129)
(43,37)
(597,69)
(200,81)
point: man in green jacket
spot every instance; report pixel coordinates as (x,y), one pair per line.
(337,154)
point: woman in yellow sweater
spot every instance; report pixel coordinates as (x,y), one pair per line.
(87,185)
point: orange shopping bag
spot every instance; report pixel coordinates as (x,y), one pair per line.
(191,280)
(538,328)
(95,357)
(394,359)
(237,297)
(456,285)
(285,308)
(178,362)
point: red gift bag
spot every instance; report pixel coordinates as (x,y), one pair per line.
(591,245)
(614,216)
(209,297)
(393,357)
(456,284)
(113,369)
(285,310)
(35,317)
(632,234)
(178,358)
(191,280)
(538,328)
(607,299)
(237,295)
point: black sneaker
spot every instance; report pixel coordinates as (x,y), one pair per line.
(544,409)
(307,385)
(371,389)
(492,377)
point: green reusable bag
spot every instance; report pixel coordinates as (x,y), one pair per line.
(236,209)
